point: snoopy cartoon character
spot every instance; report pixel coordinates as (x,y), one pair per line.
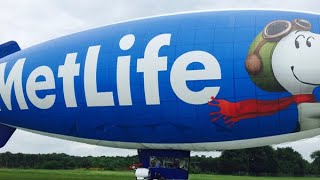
(283,57)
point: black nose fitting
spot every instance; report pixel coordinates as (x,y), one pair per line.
(292,67)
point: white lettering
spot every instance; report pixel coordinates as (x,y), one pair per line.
(180,75)
(93,97)
(151,64)
(33,86)
(123,72)
(14,78)
(67,72)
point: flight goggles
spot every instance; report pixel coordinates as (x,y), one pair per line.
(276,30)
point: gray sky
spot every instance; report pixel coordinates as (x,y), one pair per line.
(30,22)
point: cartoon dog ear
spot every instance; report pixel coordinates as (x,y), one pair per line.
(253,64)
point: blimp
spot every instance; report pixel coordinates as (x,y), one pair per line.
(168,85)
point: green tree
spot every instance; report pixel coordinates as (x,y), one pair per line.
(257,161)
(261,160)
(234,162)
(290,162)
(315,165)
(52,165)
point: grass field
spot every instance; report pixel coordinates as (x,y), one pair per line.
(18,174)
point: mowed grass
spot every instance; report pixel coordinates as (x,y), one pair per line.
(22,174)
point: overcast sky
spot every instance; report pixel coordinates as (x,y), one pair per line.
(30,22)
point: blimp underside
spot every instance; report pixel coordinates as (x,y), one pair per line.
(189,82)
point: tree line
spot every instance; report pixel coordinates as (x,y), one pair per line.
(253,161)
(262,161)
(64,161)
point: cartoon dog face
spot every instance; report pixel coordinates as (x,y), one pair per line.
(296,62)
(283,57)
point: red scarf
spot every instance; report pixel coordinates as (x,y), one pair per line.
(233,112)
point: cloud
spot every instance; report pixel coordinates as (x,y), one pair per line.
(30,22)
